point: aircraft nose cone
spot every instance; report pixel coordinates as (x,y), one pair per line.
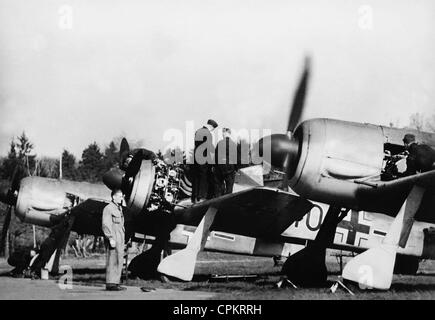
(281,150)
(113,178)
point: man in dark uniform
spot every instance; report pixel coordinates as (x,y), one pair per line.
(421,157)
(225,167)
(202,162)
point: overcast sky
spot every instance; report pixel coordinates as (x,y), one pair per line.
(74,72)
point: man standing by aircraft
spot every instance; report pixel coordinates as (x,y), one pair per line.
(225,167)
(421,157)
(203,160)
(114,232)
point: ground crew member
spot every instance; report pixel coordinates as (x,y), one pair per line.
(21,259)
(225,167)
(114,232)
(48,247)
(203,161)
(421,157)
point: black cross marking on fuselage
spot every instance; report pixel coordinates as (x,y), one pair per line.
(353,227)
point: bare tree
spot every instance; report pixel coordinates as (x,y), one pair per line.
(416,121)
(430,123)
(48,167)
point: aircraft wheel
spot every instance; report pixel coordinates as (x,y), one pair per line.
(406,265)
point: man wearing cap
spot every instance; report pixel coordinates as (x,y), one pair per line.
(421,157)
(225,167)
(203,161)
(114,232)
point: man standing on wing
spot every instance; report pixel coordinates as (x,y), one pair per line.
(225,167)
(203,161)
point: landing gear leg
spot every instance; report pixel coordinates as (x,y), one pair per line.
(55,241)
(62,244)
(307,267)
(145,264)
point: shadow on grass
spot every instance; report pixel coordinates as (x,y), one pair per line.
(407,287)
(89,271)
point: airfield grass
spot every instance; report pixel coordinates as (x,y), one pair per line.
(91,271)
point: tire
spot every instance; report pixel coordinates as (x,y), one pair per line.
(406,265)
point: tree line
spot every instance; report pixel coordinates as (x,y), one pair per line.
(95,161)
(91,167)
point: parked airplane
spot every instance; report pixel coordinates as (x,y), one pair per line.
(46,202)
(335,162)
(343,164)
(346,165)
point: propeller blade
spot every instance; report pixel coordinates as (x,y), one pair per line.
(124,146)
(8,194)
(124,151)
(285,148)
(5,229)
(299,98)
(4,194)
(18,174)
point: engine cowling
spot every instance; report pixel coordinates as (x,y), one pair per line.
(41,201)
(339,162)
(333,155)
(142,186)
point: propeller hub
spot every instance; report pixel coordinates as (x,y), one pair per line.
(113,178)
(284,151)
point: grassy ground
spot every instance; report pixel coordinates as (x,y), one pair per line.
(263,287)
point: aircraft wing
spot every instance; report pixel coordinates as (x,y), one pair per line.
(257,212)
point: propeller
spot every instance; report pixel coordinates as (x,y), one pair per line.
(284,148)
(124,152)
(299,98)
(8,195)
(113,179)
(129,165)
